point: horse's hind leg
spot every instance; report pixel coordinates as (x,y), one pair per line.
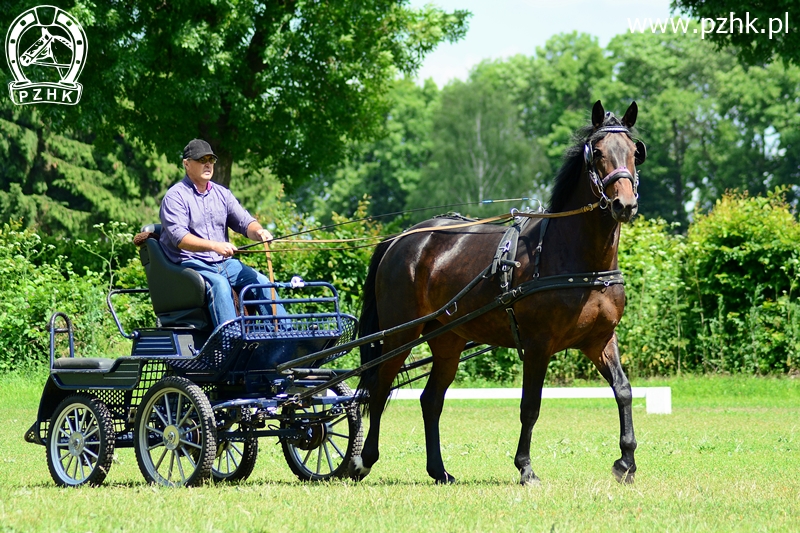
(446,349)
(610,367)
(378,396)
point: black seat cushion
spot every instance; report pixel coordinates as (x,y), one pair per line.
(178,293)
(83,363)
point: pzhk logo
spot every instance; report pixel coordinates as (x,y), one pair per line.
(46,50)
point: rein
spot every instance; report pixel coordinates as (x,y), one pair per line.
(499,218)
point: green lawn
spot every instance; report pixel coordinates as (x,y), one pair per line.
(727,459)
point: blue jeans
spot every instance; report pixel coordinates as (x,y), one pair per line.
(224,275)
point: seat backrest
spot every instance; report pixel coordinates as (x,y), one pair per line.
(178,294)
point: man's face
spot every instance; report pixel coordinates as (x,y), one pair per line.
(202,169)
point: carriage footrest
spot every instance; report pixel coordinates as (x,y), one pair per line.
(83,363)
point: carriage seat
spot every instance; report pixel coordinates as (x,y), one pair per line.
(178,294)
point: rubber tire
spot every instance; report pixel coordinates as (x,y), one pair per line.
(203,436)
(294,455)
(247,451)
(103,448)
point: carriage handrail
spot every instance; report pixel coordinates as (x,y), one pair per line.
(114,312)
(53,330)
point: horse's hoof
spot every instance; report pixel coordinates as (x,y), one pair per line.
(623,474)
(357,471)
(527,478)
(446,480)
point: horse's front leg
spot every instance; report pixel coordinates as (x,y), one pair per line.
(534,368)
(610,367)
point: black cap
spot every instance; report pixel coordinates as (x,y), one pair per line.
(197,148)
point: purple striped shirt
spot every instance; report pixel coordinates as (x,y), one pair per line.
(207,215)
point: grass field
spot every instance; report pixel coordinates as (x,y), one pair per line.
(727,459)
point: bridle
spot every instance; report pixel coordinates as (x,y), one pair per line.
(600,185)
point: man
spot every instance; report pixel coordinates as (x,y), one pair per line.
(195,216)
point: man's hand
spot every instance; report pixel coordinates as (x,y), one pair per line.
(264,235)
(225,249)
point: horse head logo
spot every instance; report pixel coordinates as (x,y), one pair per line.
(46,51)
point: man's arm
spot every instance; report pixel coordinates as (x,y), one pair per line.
(193,243)
(255,232)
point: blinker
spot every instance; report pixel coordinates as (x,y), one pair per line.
(641,153)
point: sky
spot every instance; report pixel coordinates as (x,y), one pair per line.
(502,28)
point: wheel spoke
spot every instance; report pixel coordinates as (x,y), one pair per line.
(163,454)
(83,418)
(328,456)
(154,430)
(171,464)
(186,416)
(180,468)
(178,409)
(69,424)
(69,463)
(335,447)
(319,460)
(79,463)
(339,435)
(166,406)
(192,444)
(159,415)
(338,420)
(305,459)
(95,429)
(90,452)
(189,457)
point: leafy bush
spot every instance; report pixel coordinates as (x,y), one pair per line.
(742,272)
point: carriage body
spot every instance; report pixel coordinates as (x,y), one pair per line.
(193,402)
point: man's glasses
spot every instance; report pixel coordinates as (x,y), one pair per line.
(207,159)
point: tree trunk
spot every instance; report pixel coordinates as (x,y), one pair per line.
(222,170)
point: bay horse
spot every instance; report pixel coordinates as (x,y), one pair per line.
(415,275)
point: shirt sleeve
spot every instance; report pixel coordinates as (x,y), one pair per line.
(174,218)
(238,217)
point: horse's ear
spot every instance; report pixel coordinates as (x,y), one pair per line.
(598,115)
(641,153)
(629,119)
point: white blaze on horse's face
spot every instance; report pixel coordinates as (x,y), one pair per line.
(616,153)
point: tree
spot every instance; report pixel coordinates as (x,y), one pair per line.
(479,152)
(752,46)
(386,169)
(287,84)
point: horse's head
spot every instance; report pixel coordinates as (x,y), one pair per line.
(610,157)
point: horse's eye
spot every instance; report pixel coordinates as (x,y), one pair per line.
(597,154)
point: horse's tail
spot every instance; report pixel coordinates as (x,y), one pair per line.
(368,323)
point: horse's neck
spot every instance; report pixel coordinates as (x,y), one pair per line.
(586,242)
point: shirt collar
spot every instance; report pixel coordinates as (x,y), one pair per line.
(190,184)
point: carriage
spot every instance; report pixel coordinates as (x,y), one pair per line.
(193,400)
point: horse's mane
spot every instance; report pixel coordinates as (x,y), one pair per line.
(565,181)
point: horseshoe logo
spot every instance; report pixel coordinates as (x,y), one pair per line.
(46,51)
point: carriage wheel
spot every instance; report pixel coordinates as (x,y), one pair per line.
(80,442)
(235,460)
(326,448)
(175,438)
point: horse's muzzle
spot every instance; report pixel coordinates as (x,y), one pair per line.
(623,211)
